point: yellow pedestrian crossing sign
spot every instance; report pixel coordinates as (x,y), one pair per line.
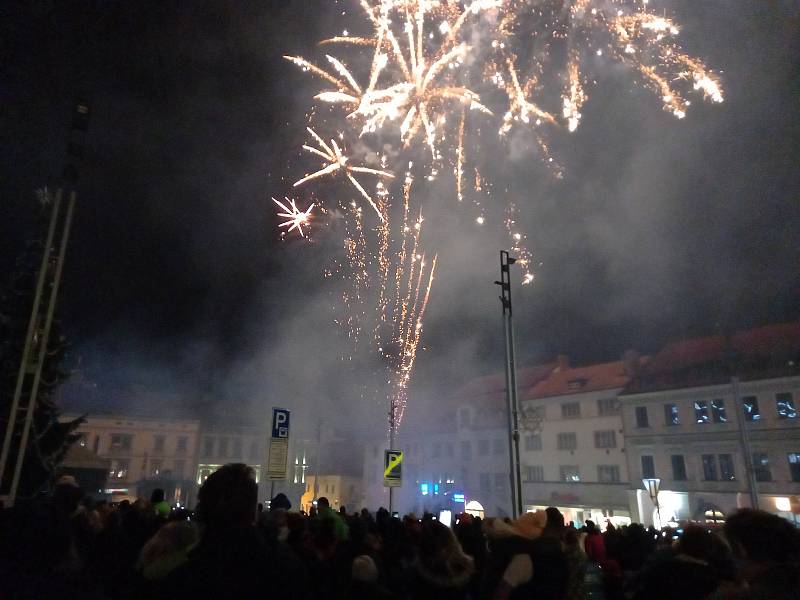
(393,468)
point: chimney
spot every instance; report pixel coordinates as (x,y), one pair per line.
(630,363)
(563,362)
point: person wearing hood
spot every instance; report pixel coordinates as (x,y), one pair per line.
(525,564)
(441,571)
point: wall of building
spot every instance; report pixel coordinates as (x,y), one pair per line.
(144,453)
(340,490)
(583,431)
(709,445)
(221,444)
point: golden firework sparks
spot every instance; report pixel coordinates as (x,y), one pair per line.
(423,83)
(337,161)
(296,217)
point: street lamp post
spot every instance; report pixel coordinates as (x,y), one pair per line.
(653,486)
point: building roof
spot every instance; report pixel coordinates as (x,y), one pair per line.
(761,353)
(574,380)
(487,394)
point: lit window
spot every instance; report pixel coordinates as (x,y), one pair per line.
(119,469)
(750,408)
(718,411)
(794,465)
(785,405)
(569,473)
(761,466)
(701,412)
(671,416)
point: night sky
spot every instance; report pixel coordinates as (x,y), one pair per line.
(177,280)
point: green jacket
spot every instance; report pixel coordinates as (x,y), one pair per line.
(339,526)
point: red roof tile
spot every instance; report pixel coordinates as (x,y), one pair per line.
(574,380)
(763,352)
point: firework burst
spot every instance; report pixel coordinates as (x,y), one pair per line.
(338,162)
(296,218)
(423,82)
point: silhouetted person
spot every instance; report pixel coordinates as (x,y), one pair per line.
(327,514)
(160,506)
(280,502)
(687,575)
(232,560)
(767,549)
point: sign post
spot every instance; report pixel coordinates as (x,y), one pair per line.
(278,448)
(393,468)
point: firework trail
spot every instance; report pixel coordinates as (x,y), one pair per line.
(425,73)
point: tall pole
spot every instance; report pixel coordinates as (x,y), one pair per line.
(391,442)
(316,467)
(45,339)
(744,440)
(515,478)
(30,339)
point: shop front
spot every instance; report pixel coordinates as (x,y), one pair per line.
(603,505)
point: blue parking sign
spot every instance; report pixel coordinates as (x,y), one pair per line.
(280,423)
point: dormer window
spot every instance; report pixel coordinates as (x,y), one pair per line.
(576,384)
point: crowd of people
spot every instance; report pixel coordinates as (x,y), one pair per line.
(65,546)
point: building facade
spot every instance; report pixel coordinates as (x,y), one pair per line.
(455,454)
(715,421)
(222,443)
(572,447)
(340,490)
(144,454)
